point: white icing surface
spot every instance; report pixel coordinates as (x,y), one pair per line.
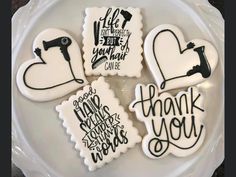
(122,47)
(169,122)
(161,48)
(97,123)
(40,146)
(45,80)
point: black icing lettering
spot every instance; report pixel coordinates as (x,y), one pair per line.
(108,133)
(117,56)
(104,19)
(103,131)
(92,105)
(192,130)
(96,101)
(84,97)
(102,51)
(119,138)
(111,39)
(106,109)
(98,117)
(112,22)
(88,123)
(193,102)
(112,66)
(146,113)
(87,109)
(179,104)
(78,116)
(110,120)
(93,134)
(155,108)
(158,149)
(175,123)
(101,114)
(84,127)
(170,107)
(158,146)
(123,134)
(152,105)
(178,121)
(96,156)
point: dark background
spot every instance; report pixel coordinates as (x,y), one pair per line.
(219,4)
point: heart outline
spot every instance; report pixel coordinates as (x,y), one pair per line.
(59,90)
(80,81)
(178,82)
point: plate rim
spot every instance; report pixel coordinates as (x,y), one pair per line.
(23,155)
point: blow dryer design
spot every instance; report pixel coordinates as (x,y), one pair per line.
(57,67)
(127,16)
(175,63)
(62,42)
(204,68)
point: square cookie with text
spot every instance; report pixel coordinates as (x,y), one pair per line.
(112,41)
(98,124)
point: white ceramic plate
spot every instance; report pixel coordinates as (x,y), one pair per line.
(40,145)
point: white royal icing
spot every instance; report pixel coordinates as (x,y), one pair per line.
(56,69)
(113,41)
(175,63)
(174,123)
(97,124)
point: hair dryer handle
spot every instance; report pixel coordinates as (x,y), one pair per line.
(65,53)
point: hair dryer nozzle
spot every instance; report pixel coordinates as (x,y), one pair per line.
(58,42)
(45,45)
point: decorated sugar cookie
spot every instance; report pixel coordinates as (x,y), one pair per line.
(175,63)
(174,123)
(97,124)
(56,69)
(113,41)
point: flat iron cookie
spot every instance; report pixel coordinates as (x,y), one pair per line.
(56,69)
(113,41)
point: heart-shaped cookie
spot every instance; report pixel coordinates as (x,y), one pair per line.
(175,63)
(56,69)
